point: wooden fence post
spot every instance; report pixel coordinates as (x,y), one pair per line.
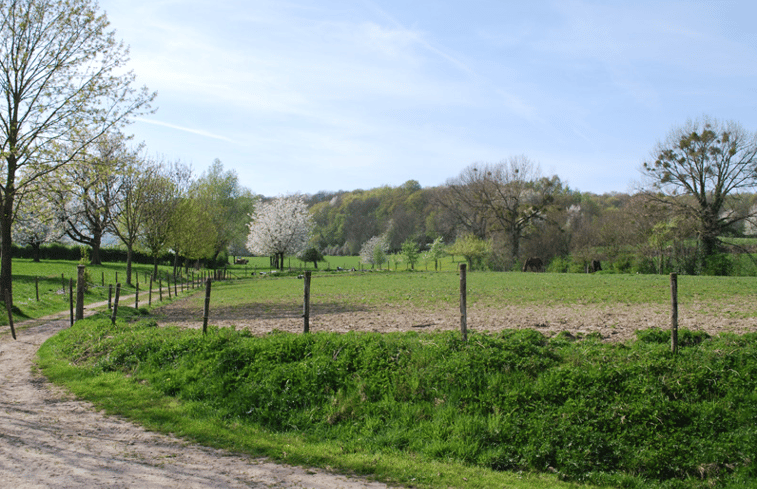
(115,304)
(306,303)
(80,291)
(36,286)
(674,312)
(168,284)
(110,296)
(149,294)
(160,289)
(463,302)
(136,295)
(71,299)
(207,307)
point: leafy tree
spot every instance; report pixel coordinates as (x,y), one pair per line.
(280,227)
(410,252)
(702,170)
(89,191)
(62,77)
(473,248)
(436,251)
(311,254)
(139,180)
(227,203)
(163,201)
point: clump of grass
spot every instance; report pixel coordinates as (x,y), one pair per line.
(631,415)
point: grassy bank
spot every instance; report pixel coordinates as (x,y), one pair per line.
(431,411)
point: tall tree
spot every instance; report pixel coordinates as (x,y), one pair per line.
(701,171)
(167,191)
(227,202)
(90,192)
(280,227)
(507,197)
(139,180)
(61,75)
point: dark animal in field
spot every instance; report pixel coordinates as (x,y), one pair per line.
(241,261)
(533,264)
(594,266)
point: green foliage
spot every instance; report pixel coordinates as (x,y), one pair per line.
(718,264)
(630,415)
(410,252)
(474,249)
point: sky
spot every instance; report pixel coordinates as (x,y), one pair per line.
(302,96)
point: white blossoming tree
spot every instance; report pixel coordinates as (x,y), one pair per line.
(373,252)
(36,223)
(280,227)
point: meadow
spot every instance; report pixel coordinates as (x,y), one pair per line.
(516,408)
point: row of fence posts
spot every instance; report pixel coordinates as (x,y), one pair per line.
(306,301)
(463,306)
(77,312)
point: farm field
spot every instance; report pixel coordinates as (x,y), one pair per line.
(612,306)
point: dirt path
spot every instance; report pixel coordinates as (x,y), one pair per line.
(50,439)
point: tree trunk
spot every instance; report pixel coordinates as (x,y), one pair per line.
(6,282)
(128,264)
(36,248)
(96,242)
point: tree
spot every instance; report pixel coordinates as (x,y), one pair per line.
(508,198)
(436,251)
(473,248)
(36,223)
(138,181)
(280,227)
(410,252)
(228,204)
(163,201)
(88,192)
(373,251)
(311,254)
(701,171)
(61,75)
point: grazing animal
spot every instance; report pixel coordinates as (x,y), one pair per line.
(594,266)
(241,261)
(533,264)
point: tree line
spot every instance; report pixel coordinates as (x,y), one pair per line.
(694,212)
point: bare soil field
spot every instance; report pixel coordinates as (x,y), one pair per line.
(614,323)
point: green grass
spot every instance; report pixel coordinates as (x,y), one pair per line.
(428,409)
(430,290)
(50,280)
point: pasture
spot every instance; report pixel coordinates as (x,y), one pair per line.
(611,306)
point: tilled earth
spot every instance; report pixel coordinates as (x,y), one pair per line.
(613,323)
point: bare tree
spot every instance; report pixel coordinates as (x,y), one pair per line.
(508,198)
(701,171)
(61,74)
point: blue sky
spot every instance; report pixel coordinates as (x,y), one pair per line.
(310,95)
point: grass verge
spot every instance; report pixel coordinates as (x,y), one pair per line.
(513,409)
